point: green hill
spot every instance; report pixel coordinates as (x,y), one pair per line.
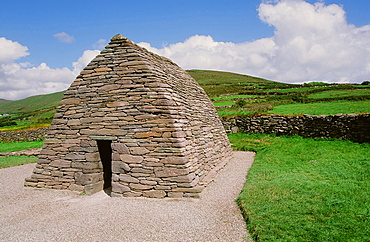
(217,83)
(31,104)
(29,112)
(231,93)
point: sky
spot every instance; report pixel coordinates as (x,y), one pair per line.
(45,44)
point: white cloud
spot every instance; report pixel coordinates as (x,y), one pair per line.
(85,59)
(64,37)
(10,50)
(100,44)
(311,42)
(20,80)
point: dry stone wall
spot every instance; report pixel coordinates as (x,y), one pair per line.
(22,136)
(355,127)
(164,136)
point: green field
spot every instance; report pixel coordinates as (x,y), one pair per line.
(328,108)
(32,112)
(17,146)
(301,189)
(335,94)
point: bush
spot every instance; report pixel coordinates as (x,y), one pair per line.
(7,123)
(240,103)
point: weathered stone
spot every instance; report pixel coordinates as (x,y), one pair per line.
(131,159)
(92,157)
(175,160)
(175,194)
(102,69)
(138,186)
(119,188)
(187,178)
(169,172)
(127,178)
(138,150)
(84,179)
(60,163)
(120,167)
(93,188)
(154,194)
(74,156)
(86,165)
(70,101)
(147,135)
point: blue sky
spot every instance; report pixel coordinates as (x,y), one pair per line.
(44,44)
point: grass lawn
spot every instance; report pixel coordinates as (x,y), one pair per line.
(17,146)
(16,160)
(327,108)
(301,189)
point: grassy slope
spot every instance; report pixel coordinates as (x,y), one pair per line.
(35,111)
(31,104)
(217,83)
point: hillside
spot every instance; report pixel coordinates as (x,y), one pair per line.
(28,112)
(232,94)
(217,83)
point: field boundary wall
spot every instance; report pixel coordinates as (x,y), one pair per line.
(355,127)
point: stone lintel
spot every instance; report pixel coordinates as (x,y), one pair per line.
(98,137)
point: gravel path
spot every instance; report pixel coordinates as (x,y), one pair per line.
(28,214)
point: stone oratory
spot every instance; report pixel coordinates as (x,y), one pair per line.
(134,124)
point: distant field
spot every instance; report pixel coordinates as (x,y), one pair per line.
(228,97)
(31,112)
(223,103)
(340,94)
(327,108)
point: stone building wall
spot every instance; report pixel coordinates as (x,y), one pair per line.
(355,127)
(145,116)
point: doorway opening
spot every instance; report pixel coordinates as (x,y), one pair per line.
(105,152)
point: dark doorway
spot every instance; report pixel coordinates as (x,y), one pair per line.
(105,151)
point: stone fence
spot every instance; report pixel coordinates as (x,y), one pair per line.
(350,126)
(355,127)
(21,136)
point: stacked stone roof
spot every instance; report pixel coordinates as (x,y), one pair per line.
(166,137)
